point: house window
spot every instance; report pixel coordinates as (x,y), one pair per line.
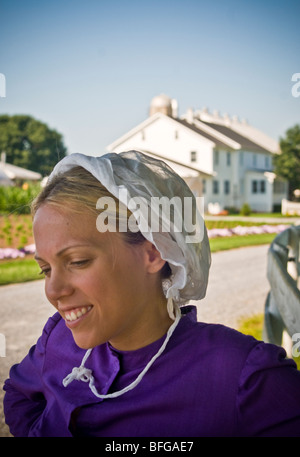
(215,187)
(254,160)
(258,187)
(193,156)
(241,158)
(216,158)
(226,187)
(267,162)
(254,187)
(228,159)
(204,186)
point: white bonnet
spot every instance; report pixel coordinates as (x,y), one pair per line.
(147,177)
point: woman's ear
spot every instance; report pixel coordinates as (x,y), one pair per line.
(154,262)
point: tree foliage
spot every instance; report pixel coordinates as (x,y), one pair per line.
(287,164)
(30,144)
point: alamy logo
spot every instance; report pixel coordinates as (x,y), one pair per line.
(157,214)
(296,87)
(296,346)
(2,86)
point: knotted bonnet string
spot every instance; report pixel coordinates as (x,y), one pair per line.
(185,246)
(84,374)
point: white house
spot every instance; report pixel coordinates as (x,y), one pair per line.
(9,173)
(226,160)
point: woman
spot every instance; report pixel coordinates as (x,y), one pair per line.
(122,356)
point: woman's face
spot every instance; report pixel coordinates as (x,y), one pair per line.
(103,287)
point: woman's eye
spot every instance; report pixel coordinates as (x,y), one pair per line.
(76,263)
(44,271)
(80,263)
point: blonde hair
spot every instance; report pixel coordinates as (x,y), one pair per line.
(77,186)
(79,190)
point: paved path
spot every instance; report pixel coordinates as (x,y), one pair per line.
(237,288)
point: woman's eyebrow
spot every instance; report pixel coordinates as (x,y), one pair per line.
(62,251)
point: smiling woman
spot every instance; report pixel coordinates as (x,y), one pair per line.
(123,355)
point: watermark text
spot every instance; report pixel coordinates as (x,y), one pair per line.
(157,214)
(2,86)
(296,346)
(296,87)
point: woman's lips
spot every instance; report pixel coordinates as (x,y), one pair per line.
(74,316)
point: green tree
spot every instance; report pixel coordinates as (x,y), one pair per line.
(30,144)
(287,164)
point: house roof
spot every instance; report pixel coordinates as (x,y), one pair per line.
(240,131)
(218,140)
(213,136)
(14,172)
(245,143)
(134,131)
(4,180)
(222,133)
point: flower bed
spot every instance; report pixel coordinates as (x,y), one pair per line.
(241,230)
(12,253)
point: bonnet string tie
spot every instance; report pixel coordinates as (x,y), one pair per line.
(171,307)
(79,373)
(84,374)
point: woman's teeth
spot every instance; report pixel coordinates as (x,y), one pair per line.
(76,313)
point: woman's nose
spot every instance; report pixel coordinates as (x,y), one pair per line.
(58,286)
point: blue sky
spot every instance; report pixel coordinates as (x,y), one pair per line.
(90,68)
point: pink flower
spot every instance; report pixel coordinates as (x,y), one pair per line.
(11,253)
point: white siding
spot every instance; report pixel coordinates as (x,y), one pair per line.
(259,200)
(226,174)
(168,138)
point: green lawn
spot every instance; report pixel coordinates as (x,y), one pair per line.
(252,326)
(233,242)
(19,270)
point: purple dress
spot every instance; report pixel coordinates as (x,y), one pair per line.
(209,381)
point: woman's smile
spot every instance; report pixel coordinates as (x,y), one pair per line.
(75,316)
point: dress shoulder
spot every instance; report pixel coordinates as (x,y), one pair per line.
(50,325)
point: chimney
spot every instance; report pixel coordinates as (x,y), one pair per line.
(190,116)
(3,157)
(174,105)
(226,119)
